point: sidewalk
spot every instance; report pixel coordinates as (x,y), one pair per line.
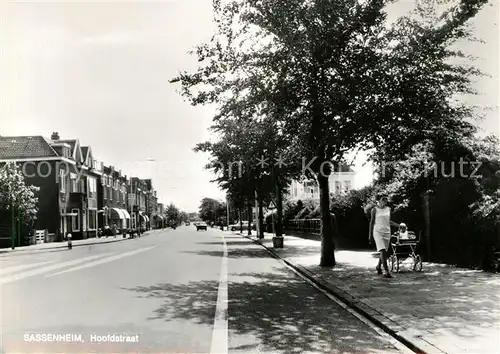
(51,246)
(439,310)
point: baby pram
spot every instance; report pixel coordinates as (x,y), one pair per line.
(403,248)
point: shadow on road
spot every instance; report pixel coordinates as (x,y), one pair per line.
(278,309)
(239,253)
(251,252)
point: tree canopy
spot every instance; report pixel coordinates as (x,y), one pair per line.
(14,193)
(211,210)
(334,76)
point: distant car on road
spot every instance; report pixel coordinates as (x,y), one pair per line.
(201,226)
(236,226)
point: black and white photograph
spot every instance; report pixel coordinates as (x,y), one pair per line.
(249,176)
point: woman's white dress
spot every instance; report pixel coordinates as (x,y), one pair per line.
(382,227)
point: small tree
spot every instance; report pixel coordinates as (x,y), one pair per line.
(172,214)
(16,197)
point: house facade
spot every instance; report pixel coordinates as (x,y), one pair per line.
(114,200)
(77,194)
(340,181)
(137,203)
(160,212)
(155,219)
(82,205)
(65,179)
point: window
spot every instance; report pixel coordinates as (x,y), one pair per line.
(74,184)
(92,219)
(110,180)
(75,220)
(62,180)
(110,193)
(92,188)
(347,186)
(338,186)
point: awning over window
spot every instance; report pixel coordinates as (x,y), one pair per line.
(116,213)
(125,214)
(159,217)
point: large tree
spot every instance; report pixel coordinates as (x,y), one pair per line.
(334,76)
(249,161)
(211,210)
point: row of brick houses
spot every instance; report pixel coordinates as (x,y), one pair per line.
(78,194)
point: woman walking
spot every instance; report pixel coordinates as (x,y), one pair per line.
(380,231)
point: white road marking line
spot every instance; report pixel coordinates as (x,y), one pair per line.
(101,261)
(17,268)
(220,330)
(33,272)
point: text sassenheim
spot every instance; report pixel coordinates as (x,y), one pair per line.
(53,337)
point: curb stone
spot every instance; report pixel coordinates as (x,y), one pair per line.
(63,245)
(409,338)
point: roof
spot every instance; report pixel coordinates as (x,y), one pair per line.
(71,142)
(85,150)
(21,147)
(75,145)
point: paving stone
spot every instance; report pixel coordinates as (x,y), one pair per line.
(452,310)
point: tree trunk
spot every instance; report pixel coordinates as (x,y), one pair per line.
(250,214)
(427,225)
(241,220)
(279,210)
(327,229)
(261,216)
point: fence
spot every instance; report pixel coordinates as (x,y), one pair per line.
(40,236)
(310,226)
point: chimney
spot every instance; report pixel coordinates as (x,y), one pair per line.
(55,136)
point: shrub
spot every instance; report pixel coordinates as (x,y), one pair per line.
(351,218)
(464,211)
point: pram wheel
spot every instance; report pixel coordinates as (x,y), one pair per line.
(417,263)
(394,263)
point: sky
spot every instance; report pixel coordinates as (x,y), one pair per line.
(99,72)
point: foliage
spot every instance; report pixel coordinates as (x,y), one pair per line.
(210,210)
(464,203)
(291,209)
(183,217)
(172,213)
(15,193)
(331,76)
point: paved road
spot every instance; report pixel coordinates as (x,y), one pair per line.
(167,291)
